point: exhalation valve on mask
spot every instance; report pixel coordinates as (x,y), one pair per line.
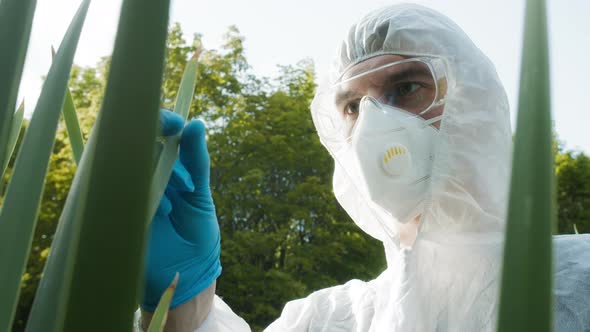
(391,158)
(397,160)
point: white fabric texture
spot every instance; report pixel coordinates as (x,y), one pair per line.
(220,319)
(449,279)
(444,300)
(365,306)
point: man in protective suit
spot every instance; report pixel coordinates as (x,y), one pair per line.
(417,122)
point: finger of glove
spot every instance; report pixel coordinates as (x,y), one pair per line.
(180,179)
(193,213)
(194,218)
(170,123)
(193,153)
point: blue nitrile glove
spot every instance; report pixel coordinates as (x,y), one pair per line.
(184,235)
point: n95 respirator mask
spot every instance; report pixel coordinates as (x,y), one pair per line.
(389,158)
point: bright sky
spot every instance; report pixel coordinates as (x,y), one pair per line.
(286,31)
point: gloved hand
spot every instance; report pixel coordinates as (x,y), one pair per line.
(184,235)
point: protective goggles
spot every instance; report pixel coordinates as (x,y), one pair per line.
(413,85)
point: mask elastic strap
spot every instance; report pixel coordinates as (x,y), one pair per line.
(432,120)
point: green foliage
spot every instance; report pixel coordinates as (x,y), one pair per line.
(168,153)
(87,84)
(57,183)
(119,177)
(23,195)
(16,125)
(573,192)
(73,127)
(176,61)
(16,20)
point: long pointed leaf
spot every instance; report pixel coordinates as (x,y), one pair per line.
(72,124)
(163,170)
(16,19)
(526,301)
(50,304)
(186,90)
(169,153)
(17,122)
(161,314)
(19,213)
(109,264)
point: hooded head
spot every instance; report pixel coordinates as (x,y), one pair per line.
(469,178)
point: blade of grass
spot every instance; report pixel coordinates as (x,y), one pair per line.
(161,314)
(169,152)
(114,222)
(73,127)
(186,90)
(526,300)
(17,122)
(165,163)
(72,124)
(50,303)
(16,19)
(19,213)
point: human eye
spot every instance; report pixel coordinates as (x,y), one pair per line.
(351,109)
(408,88)
(401,92)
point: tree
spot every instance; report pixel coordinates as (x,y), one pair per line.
(573,192)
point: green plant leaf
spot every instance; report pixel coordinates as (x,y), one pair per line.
(169,152)
(16,19)
(17,121)
(526,298)
(50,304)
(188,83)
(107,273)
(161,314)
(73,127)
(165,163)
(72,124)
(19,213)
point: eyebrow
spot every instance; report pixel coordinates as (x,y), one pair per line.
(344,95)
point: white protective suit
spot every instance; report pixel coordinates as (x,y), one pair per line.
(449,279)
